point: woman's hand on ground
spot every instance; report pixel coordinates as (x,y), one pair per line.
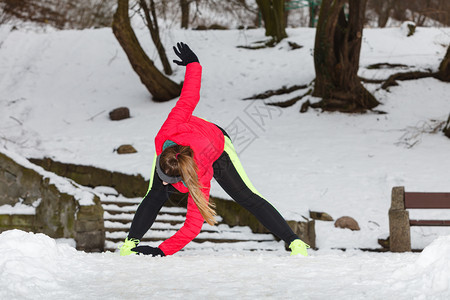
(147,250)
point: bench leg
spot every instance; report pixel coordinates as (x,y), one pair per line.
(399,229)
(400,234)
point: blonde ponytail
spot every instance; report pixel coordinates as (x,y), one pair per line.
(179,160)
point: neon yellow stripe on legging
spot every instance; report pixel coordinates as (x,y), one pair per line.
(229,149)
(151,175)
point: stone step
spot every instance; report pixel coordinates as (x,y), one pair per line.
(119,203)
(159,227)
(133,212)
(119,213)
(168,215)
(198,240)
(129,216)
(118,209)
(225,234)
(128,221)
(155,229)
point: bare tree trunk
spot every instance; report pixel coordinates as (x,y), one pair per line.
(185,4)
(313,10)
(161,87)
(444,67)
(383,9)
(152,25)
(385,12)
(399,11)
(336,58)
(273,15)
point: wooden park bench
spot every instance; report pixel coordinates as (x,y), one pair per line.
(399,222)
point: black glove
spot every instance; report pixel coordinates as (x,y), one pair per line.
(147,250)
(185,54)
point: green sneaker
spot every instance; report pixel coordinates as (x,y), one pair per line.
(299,247)
(125,248)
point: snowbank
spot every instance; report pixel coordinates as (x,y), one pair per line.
(30,264)
(34,266)
(431,271)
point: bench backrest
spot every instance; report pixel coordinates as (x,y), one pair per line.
(427,200)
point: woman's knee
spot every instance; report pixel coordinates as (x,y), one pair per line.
(250,200)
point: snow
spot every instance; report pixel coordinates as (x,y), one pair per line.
(34,265)
(57,87)
(19,208)
(430,270)
(106,190)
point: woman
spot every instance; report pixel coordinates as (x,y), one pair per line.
(189,153)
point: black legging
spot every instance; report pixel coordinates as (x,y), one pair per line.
(232,182)
(150,207)
(229,179)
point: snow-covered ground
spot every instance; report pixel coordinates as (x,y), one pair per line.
(57,87)
(36,266)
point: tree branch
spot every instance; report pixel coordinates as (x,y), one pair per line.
(283,90)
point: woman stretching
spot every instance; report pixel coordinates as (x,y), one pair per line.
(189,153)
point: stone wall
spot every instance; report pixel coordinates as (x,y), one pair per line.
(128,185)
(58,214)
